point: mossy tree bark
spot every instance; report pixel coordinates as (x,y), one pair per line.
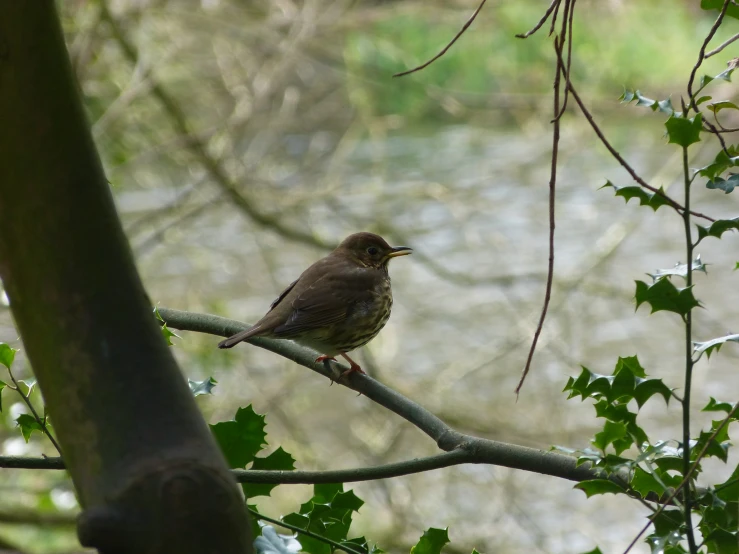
(147,471)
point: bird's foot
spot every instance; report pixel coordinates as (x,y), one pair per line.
(325,358)
(353,367)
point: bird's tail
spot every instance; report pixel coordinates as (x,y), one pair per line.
(238,337)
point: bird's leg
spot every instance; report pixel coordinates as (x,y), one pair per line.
(353,366)
(323,358)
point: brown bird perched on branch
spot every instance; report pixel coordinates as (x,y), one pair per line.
(337,305)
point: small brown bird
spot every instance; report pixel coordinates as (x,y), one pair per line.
(337,305)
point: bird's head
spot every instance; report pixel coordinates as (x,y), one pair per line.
(370,250)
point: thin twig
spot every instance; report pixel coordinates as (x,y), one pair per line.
(305,532)
(39,420)
(702,52)
(558,44)
(569,15)
(687,500)
(541,22)
(686,479)
(721,47)
(599,133)
(447,47)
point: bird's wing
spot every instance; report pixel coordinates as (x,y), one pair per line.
(326,301)
(283,294)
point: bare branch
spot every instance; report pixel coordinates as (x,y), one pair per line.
(447,47)
(720,47)
(541,22)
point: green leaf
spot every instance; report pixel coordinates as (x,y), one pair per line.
(681,270)
(684,131)
(432,541)
(717,5)
(166,332)
(629,380)
(726,185)
(599,486)
(595,550)
(717,228)
(646,198)
(612,433)
(664,106)
(721,163)
(717,406)
(279,460)
(7,355)
(712,345)
(721,541)
(241,438)
(718,447)
(664,296)
(716,107)
(645,483)
(2,386)
(202,387)
(28,425)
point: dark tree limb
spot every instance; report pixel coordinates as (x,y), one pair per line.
(147,471)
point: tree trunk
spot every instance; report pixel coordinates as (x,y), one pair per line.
(147,471)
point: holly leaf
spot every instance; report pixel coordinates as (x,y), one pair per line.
(732,10)
(681,270)
(721,163)
(664,296)
(166,332)
(241,438)
(721,541)
(712,345)
(718,446)
(645,483)
(613,433)
(28,425)
(329,514)
(726,185)
(432,541)
(646,198)
(716,107)
(7,355)
(279,460)
(684,131)
(664,106)
(202,387)
(717,228)
(599,486)
(718,406)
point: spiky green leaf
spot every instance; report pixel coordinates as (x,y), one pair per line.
(432,541)
(28,425)
(684,131)
(241,438)
(718,228)
(7,354)
(599,486)
(646,198)
(279,460)
(664,296)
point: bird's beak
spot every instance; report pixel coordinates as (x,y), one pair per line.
(400,251)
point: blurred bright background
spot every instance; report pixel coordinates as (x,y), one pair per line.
(241,138)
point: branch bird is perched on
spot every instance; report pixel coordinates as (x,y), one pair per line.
(337,305)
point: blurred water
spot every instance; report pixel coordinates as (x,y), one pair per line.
(473,204)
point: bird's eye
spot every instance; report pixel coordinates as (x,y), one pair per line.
(372,251)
